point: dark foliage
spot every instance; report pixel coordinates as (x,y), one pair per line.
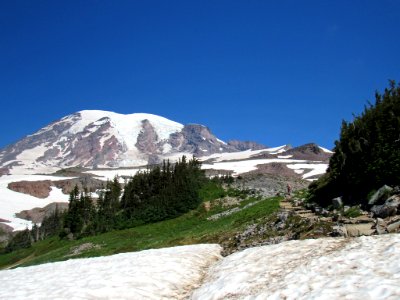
(367,154)
(161,193)
(22,239)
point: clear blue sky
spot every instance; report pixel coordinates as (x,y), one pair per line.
(275,72)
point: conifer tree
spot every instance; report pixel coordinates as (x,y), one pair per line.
(367,155)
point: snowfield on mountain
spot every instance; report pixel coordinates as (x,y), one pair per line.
(329,268)
(108,144)
(102,139)
(13,202)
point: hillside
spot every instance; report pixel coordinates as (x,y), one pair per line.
(193,227)
(89,147)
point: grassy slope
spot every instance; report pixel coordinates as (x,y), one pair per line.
(191,228)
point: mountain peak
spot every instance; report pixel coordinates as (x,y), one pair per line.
(97,138)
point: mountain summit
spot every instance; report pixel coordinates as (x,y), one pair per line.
(96,139)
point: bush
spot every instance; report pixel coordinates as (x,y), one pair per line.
(352,212)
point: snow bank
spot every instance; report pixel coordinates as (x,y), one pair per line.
(330,268)
(13,202)
(170,273)
(360,268)
(244,166)
(316,169)
(226,156)
(326,150)
(110,174)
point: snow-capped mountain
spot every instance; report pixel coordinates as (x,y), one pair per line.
(110,144)
(94,138)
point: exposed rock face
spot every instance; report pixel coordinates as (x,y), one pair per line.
(309,152)
(147,140)
(5,233)
(380,195)
(274,169)
(47,134)
(38,189)
(246,145)
(84,182)
(37,214)
(199,140)
(100,139)
(94,139)
(4,171)
(41,189)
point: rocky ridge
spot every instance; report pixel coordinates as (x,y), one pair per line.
(95,139)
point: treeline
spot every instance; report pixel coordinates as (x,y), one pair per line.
(164,192)
(51,225)
(161,193)
(367,155)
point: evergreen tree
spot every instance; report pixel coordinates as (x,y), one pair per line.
(367,155)
(22,239)
(51,225)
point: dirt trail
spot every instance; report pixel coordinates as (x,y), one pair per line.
(19,262)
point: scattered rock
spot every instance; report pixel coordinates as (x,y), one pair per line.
(394,227)
(383,211)
(207,206)
(83,248)
(337,202)
(354,230)
(380,226)
(393,201)
(339,230)
(380,195)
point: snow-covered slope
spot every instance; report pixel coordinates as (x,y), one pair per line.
(12,202)
(94,138)
(331,268)
(91,138)
(103,139)
(253,160)
(170,273)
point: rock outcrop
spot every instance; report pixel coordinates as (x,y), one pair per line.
(37,214)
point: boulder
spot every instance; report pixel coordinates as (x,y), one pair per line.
(380,226)
(339,231)
(394,227)
(380,195)
(383,211)
(396,190)
(354,230)
(393,201)
(337,202)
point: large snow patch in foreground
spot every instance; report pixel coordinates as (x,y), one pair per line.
(359,268)
(170,273)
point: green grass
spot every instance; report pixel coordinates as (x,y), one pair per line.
(211,191)
(352,212)
(191,228)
